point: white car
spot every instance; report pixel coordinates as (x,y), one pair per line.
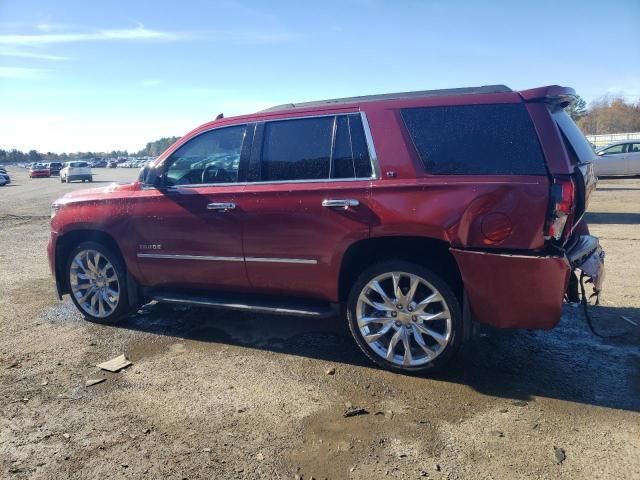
(620,158)
(76,171)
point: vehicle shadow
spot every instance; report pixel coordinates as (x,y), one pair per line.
(567,363)
(612,218)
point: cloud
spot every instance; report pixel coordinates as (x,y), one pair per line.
(126,34)
(21,73)
(24,54)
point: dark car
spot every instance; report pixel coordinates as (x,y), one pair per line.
(411,214)
(55,167)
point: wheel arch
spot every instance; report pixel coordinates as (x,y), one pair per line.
(71,239)
(426,251)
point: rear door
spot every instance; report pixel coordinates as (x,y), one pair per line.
(308,202)
(633,156)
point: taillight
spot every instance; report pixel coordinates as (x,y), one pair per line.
(563,194)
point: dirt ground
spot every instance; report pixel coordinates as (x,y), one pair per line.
(215,394)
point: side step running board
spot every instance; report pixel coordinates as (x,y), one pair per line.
(249,303)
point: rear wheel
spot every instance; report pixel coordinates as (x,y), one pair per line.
(97,280)
(405,317)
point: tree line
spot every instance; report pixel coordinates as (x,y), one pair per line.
(152,149)
(609,114)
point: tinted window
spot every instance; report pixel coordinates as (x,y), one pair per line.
(475,139)
(213,157)
(343,166)
(297,149)
(574,135)
(359,148)
(634,148)
(315,149)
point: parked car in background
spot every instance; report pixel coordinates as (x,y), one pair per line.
(112,164)
(99,164)
(620,158)
(54,168)
(77,170)
(39,170)
(413,213)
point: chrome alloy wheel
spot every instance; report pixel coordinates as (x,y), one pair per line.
(94,283)
(404,319)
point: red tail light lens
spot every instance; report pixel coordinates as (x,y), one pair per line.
(563,194)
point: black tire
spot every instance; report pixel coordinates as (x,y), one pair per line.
(123,308)
(61,180)
(449,298)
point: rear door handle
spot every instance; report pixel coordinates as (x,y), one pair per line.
(221,206)
(342,203)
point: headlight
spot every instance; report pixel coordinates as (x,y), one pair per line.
(55,208)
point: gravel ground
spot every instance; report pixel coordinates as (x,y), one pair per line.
(215,394)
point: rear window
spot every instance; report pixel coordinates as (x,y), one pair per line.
(78,164)
(572,134)
(475,140)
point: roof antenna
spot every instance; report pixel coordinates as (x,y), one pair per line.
(220,115)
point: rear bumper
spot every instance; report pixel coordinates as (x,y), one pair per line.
(521,291)
(514,291)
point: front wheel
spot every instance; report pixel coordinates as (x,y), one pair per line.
(97,280)
(404,317)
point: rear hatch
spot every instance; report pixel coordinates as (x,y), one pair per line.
(572,174)
(581,155)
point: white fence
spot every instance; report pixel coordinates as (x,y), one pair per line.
(600,140)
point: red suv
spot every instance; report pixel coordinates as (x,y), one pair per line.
(414,214)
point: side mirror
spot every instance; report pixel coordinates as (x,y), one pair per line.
(151,176)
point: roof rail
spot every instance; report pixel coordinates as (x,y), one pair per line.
(394,96)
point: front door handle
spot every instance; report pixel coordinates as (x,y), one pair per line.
(221,206)
(343,203)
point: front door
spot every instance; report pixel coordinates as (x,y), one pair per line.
(189,231)
(612,161)
(308,204)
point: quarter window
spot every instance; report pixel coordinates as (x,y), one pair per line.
(212,157)
(475,139)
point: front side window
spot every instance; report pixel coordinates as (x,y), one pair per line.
(615,150)
(321,148)
(212,157)
(475,139)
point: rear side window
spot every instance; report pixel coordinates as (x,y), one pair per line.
(321,148)
(574,136)
(475,140)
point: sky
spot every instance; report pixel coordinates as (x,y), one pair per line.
(102,76)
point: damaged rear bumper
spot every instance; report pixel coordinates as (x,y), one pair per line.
(525,291)
(586,254)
